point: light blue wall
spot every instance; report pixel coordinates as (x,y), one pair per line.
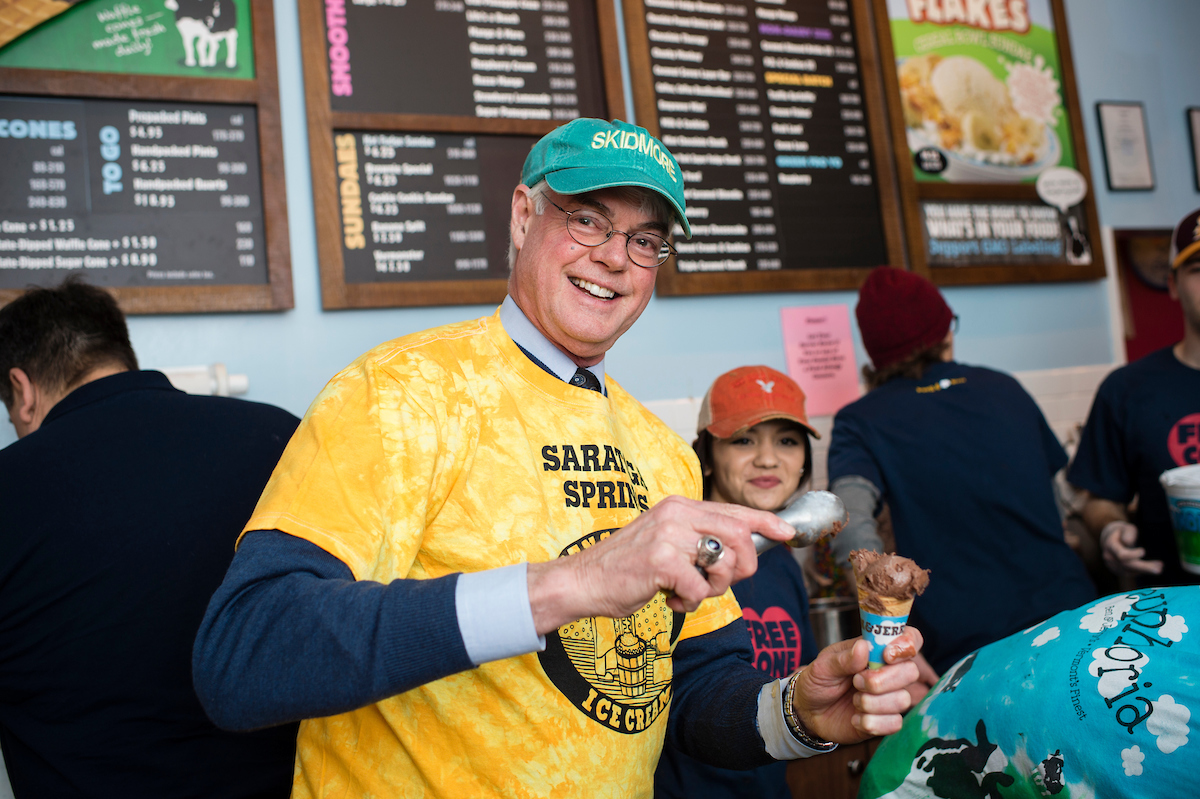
(1123,50)
(1142,51)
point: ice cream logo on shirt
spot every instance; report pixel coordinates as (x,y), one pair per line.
(615,671)
(941,385)
(1183,442)
(1122,670)
(775,637)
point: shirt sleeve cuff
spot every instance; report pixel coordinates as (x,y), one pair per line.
(778,739)
(494,615)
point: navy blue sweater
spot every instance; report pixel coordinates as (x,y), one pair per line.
(118,521)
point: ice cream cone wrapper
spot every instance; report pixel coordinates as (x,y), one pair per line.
(880,629)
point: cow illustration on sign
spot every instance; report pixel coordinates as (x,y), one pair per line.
(203,25)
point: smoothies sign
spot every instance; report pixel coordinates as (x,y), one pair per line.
(980,88)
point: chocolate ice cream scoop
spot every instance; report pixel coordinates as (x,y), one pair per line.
(884,576)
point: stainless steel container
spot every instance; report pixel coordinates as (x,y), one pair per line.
(833,619)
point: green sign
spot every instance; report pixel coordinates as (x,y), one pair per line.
(193,38)
(981,89)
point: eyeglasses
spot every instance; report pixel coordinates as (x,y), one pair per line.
(954,323)
(591,229)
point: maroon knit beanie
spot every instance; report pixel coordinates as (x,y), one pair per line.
(898,314)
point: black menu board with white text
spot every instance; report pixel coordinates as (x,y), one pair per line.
(420,115)
(421,215)
(491,59)
(129,193)
(766,108)
(161,180)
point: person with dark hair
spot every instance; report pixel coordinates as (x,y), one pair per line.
(52,342)
(483,569)
(1145,419)
(121,501)
(752,441)
(965,460)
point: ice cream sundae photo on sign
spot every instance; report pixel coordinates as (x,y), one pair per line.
(980,89)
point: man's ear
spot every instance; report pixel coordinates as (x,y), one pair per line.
(1173,284)
(522,213)
(26,397)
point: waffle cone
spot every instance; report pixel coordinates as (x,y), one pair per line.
(883,605)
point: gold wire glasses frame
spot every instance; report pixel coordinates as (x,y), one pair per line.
(592,228)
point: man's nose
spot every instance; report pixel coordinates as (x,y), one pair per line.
(613,252)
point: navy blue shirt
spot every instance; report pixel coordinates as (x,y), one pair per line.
(775,608)
(964,459)
(118,523)
(1145,420)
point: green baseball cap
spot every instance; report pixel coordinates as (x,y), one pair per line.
(590,154)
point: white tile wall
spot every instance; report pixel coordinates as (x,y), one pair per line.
(1064,395)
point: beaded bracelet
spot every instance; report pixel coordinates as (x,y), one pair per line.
(795,726)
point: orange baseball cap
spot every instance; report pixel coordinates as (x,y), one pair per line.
(748,395)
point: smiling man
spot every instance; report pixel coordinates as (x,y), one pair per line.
(474,571)
(1145,419)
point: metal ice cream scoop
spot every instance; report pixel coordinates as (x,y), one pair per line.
(814,515)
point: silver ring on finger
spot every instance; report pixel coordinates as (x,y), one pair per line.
(708,551)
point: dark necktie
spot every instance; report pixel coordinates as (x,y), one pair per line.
(585,379)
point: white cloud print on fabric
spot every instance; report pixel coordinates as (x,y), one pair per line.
(1131,759)
(1108,613)
(1116,675)
(1169,724)
(1046,636)
(1173,628)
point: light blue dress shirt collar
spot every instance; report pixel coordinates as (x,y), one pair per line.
(529,338)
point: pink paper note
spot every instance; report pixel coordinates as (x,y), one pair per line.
(820,356)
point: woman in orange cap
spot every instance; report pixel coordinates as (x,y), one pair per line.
(753,444)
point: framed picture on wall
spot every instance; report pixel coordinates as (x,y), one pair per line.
(1193,116)
(1126,146)
(985,120)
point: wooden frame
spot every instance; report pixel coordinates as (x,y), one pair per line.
(912,193)
(336,292)
(671,281)
(1193,118)
(1119,167)
(261,92)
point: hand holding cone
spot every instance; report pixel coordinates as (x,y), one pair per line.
(886,587)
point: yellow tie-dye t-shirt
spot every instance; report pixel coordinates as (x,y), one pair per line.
(449,451)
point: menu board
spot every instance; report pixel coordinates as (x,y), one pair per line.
(491,59)
(420,116)
(419,213)
(767,109)
(985,118)
(129,193)
(141,148)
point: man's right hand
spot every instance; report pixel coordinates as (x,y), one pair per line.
(655,552)
(1118,542)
